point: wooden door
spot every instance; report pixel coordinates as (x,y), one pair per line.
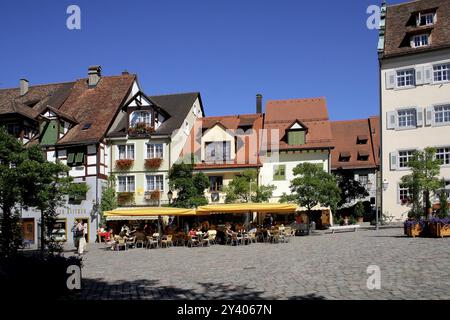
(28,230)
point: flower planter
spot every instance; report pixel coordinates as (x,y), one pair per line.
(125,198)
(141,129)
(153,164)
(439,228)
(124,164)
(415,228)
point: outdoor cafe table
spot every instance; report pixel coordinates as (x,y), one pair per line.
(101,235)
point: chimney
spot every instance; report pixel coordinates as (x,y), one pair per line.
(258,103)
(94,75)
(23,86)
(125,72)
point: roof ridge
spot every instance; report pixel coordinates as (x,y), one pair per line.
(174,94)
(40,85)
(297,99)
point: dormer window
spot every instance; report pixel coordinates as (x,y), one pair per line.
(420,40)
(344,156)
(363,155)
(362,139)
(296,134)
(426,19)
(139,117)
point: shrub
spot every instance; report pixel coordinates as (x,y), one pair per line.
(124,198)
(77,191)
(359,210)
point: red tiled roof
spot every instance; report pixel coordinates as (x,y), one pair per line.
(313,113)
(400,25)
(346,135)
(98,106)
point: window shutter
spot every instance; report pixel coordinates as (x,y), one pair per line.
(391,120)
(390,79)
(394,161)
(419,121)
(80,158)
(419,75)
(398,193)
(429,116)
(428,75)
(70,158)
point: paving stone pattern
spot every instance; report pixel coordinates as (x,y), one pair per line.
(321,266)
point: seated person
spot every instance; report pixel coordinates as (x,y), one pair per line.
(192,232)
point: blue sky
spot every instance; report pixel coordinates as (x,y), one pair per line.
(228,50)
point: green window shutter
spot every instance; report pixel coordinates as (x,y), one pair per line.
(296,138)
(49,133)
(70,158)
(80,157)
(279,173)
(61,127)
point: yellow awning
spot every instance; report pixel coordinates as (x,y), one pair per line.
(247,207)
(150,212)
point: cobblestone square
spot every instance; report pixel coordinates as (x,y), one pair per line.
(321,266)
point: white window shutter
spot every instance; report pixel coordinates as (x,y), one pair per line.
(419,75)
(394,161)
(398,193)
(419,113)
(429,116)
(391,120)
(390,79)
(428,74)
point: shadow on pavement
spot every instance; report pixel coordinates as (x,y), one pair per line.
(142,289)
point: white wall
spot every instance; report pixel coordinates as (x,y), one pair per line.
(422,97)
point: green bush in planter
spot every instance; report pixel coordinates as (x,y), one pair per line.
(359,210)
(77,191)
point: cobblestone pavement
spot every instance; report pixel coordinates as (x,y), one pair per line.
(323,266)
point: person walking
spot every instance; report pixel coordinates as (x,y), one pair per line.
(78,235)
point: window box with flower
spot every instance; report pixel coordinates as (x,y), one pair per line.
(124,164)
(153,164)
(125,198)
(141,128)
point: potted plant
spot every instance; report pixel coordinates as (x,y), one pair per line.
(415,228)
(124,164)
(359,212)
(439,227)
(125,198)
(77,192)
(153,163)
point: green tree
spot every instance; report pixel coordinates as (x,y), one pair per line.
(443,200)
(48,184)
(109,199)
(190,187)
(244,188)
(312,186)
(423,182)
(351,189)
(27,179)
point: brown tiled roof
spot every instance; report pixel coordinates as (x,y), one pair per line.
(35,100)
(248,157)
(400,25)
(313,113)
(345,134)
(97,106)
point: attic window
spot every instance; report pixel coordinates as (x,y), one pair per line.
(426,19)
(344,156)
(420,40)
(363,155)
(362,139)
(86,126)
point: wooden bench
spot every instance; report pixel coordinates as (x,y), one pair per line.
(345,228)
